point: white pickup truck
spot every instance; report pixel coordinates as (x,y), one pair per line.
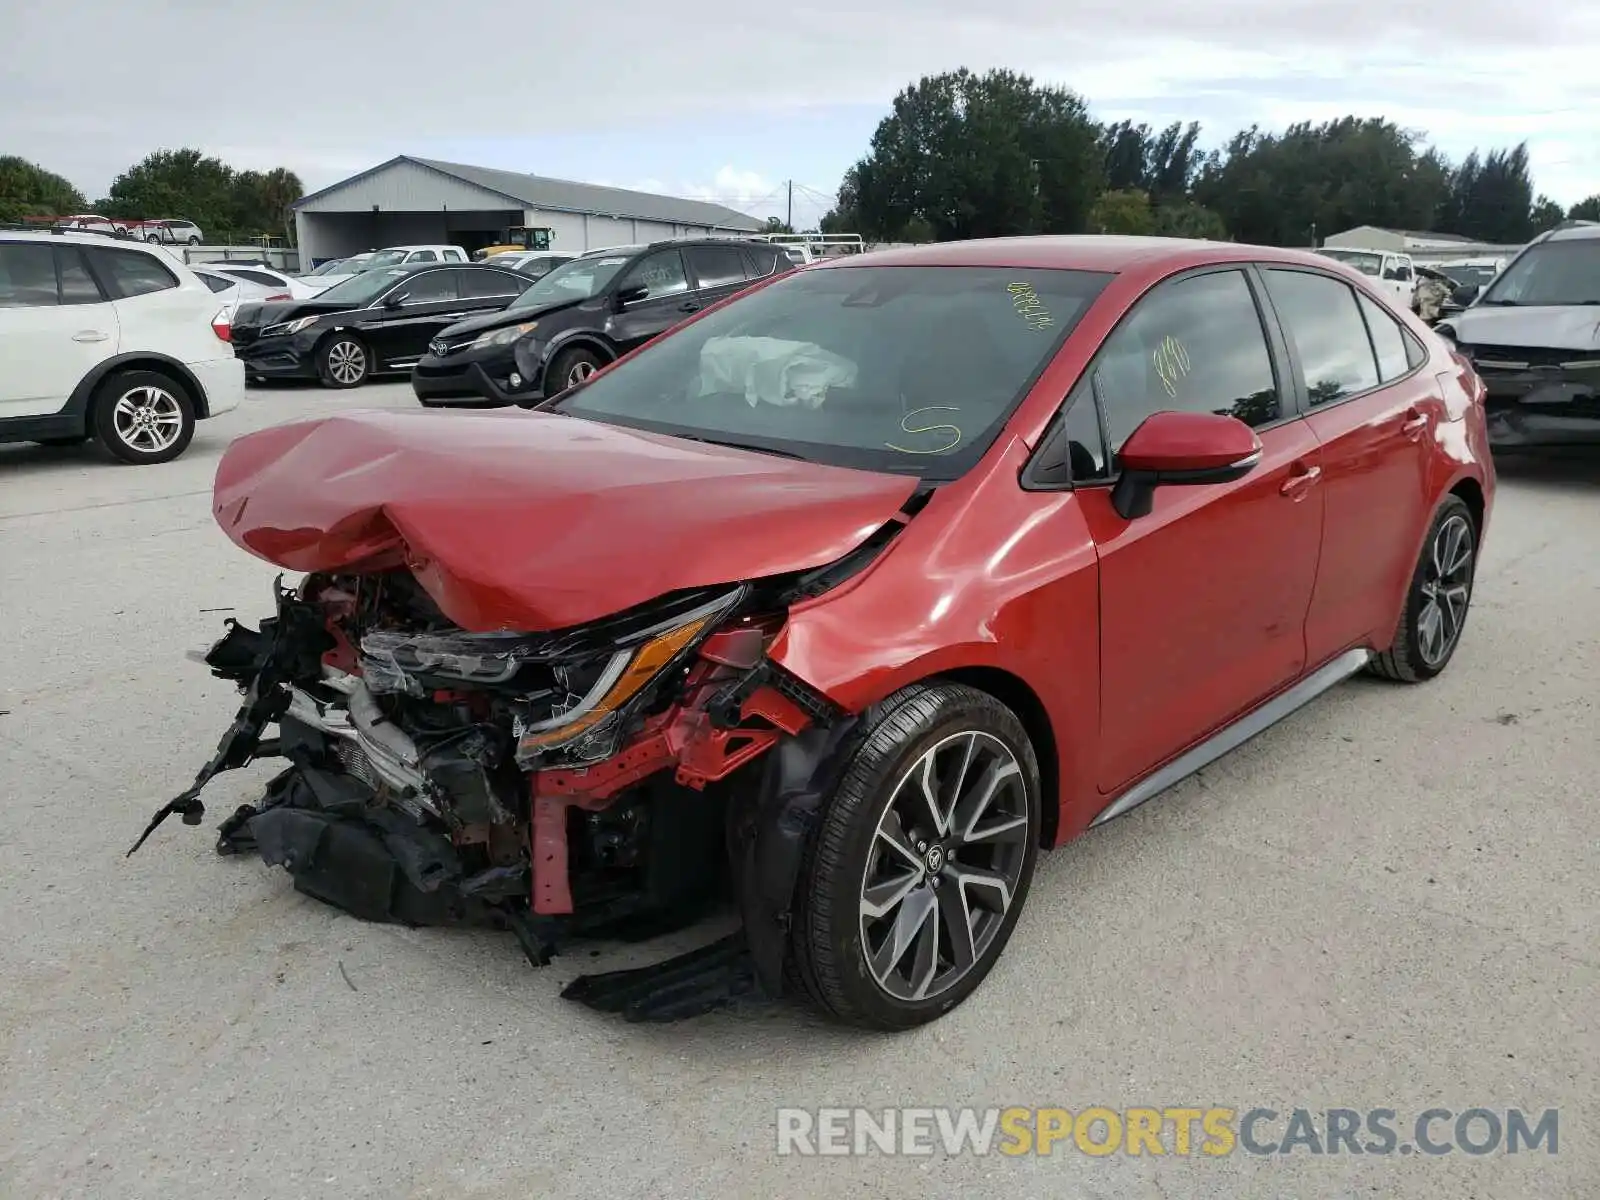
(1393,271)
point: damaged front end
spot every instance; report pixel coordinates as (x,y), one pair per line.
(614,780)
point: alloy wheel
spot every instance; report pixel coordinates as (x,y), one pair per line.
(580,371)
(944,866)
(347,362)
(1446,589)
(148,419)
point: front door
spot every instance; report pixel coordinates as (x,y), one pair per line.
(399,334)
(53,328)
(1372,407)
(1203,602)
(667,300)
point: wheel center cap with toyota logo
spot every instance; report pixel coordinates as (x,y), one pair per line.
(935,859)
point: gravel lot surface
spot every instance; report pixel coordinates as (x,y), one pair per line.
(1389,900)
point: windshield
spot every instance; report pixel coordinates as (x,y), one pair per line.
(337,266)
(364,288)
(1362,260)
(1474,273)
(580,279)
(907,369)
(1551,273)
(387,258)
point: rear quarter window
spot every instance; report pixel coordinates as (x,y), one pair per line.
(130,272)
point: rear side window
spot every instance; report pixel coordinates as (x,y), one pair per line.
(1322,320)
(764,260)
(717,266)
(260,277)
(77,285)
(132,273)
(27,275)
(1388,339)
(478,284)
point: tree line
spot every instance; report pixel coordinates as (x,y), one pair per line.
(229,205)
(964,155)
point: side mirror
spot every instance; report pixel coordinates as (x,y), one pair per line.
(1181,448)
(631,295)
(395,299)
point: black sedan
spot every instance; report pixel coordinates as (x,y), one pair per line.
(378,322)
(581,316)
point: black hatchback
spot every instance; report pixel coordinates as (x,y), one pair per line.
(583,315)
(375,323)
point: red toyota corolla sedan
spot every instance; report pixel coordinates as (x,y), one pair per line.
(841,600)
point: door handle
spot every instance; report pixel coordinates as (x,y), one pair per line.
(1415,423)
(90,335)
(1300,482)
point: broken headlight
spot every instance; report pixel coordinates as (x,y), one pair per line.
(573,685)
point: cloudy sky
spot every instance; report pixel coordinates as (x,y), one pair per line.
(732,104)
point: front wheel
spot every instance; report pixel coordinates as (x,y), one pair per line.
(343,362)
(1436,603)
(914,881)
(570,368)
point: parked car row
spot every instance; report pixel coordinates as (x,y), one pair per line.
(490,334)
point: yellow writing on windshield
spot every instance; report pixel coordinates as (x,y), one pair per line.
(1171,362)
(1027,303)
(939,429)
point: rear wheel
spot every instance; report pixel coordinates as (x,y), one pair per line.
(1436,604)
(142,417)
(570,368)
(343,361)
(915,879)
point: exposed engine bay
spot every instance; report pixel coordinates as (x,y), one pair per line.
(616,780)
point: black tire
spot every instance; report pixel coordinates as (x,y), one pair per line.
(1415,656)
(829,941)
(194,241)
(336,357)
(142,441)
(63,442)
(565,366)
(152,238)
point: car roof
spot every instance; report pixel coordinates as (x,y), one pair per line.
(1076,252)
(72,237)
(1575,233)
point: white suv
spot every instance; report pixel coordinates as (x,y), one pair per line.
(111,340)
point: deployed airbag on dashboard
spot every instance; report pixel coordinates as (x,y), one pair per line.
(774,371)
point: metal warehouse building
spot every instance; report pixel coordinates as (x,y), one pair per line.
(408,201)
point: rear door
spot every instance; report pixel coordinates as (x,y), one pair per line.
(1372,407)
(56,325)
(156,310)
(717,271)
(663,297)
(1203,602)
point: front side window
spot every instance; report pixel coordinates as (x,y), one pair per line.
(422,256)
(431,287)
(1554,274)
(479,284)
(1321,320)
(906,369)
(27,275)
(1192,345)
(660,274)
(133,273)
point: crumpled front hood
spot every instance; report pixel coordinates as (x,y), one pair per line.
(1564,328)
(536,521)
